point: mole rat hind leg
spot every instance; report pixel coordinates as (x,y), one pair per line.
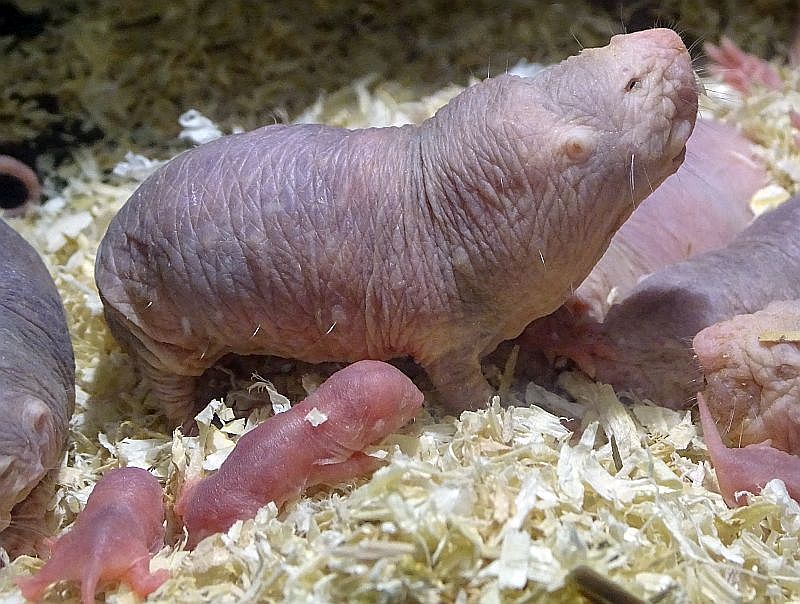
(176,392)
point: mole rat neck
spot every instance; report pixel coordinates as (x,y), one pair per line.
(476,175)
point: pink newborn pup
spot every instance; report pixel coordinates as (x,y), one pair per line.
(748,468)
(363,403)
(112,539)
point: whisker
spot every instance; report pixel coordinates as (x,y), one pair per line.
(697,42)
(649,182)
(631,181)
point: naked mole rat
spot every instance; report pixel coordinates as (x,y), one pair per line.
(435,241)
(112,539)
(37,390)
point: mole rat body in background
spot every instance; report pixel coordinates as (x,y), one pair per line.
(37,389)
(436,241)
(644,346)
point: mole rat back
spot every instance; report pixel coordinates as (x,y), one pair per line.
(435,241)
(37,384)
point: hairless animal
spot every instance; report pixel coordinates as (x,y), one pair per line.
(645,343)
(751,366)
(361,404)
(436,241)
(37,389)
(112,539)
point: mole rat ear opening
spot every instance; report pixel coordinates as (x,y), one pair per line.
(578,144)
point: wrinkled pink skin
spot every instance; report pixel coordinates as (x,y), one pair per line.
(740,70)
(112,539)
(364,403)
(14,168)
(748,468)
(698,209)
(436,241)
(753,387)
(644,346)
(37,390)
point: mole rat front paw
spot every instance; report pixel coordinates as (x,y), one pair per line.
(460,388)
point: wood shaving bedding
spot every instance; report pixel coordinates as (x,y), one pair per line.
(500,505)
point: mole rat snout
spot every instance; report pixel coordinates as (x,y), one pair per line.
(660,37)
(669,95)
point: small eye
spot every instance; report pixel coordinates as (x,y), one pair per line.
(633,84)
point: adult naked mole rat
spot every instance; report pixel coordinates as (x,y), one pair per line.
(37,390)
(435,241)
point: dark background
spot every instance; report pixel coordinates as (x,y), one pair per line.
(115,74)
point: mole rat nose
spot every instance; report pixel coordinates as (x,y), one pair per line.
(661,37)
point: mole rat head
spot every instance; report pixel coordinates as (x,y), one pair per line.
(372,400)
(610,123)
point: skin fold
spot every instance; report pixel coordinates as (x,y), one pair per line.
(435,242)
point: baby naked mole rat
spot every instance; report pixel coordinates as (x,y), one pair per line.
(359,406)
(435,241)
